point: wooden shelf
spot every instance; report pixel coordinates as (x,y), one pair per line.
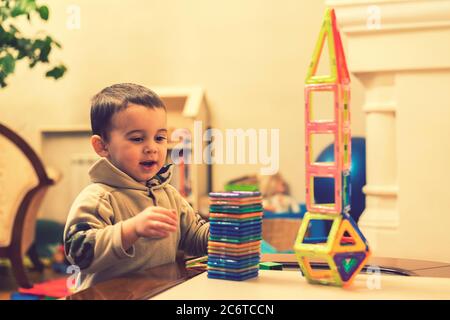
(185,105)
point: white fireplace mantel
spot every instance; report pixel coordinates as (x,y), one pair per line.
(395,15)
(400,50)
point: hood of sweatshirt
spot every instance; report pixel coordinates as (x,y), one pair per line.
(103,171)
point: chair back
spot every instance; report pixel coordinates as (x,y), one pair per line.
(23,182)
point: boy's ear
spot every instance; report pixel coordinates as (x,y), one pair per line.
(99,146)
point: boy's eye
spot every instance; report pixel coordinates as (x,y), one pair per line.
(161,138)
(137,139)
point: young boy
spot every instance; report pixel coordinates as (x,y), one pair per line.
(130,218)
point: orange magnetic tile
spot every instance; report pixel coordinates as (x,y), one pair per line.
(234,254)
(234,245)
(228,200)
(235,215)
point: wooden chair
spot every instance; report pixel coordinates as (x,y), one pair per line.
(23,184)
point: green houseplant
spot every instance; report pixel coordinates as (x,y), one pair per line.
(14,46)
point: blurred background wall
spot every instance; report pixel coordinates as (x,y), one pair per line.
(249,56)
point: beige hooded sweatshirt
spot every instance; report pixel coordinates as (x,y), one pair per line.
(92,235)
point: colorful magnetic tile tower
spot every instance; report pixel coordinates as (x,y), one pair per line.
(234,244)
(344,252)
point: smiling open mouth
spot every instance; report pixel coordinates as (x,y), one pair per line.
(148,164)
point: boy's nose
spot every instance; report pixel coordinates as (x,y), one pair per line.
(149,149)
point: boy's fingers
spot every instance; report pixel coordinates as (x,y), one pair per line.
(163,218)
(164,222)
(169,212)
(158,227)
(159,214)
(166,227)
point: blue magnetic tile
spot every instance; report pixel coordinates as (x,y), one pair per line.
(227,276)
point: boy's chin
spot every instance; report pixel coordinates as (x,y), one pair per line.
(147,175)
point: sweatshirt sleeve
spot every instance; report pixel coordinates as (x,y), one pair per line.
(194,231)
(92,239)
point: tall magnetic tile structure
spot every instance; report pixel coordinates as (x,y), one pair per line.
(234,244)
(336,258)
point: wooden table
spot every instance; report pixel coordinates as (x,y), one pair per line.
(400,279)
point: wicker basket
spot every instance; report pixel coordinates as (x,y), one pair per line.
(281,233)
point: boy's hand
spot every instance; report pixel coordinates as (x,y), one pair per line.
(155,222)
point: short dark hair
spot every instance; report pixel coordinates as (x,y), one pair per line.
(116,98)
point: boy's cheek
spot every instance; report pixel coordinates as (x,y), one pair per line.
(164,153)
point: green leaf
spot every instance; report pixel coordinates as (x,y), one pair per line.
(56,72)
(13,29)
(24,48)
(43,12)
(16,11)
(4,13)
(57,44)
(45,49)
(2,80)
(23,7)
(27,5)
(38,44)
(33,63)
(8,64)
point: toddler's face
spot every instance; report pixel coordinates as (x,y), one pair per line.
(138,141)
